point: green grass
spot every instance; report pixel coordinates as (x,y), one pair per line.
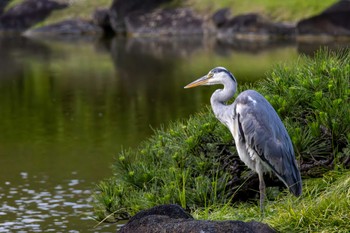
(190,163)
(323,207)
(290,10)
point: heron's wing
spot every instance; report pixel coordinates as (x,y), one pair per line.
(260,128)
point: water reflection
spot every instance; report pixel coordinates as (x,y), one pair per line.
(12,49)
(68,108)
(310,47)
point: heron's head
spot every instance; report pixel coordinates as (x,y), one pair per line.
(218,75)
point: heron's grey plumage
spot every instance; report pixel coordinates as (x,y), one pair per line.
(261,139)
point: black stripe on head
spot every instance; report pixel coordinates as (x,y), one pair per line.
(222,69)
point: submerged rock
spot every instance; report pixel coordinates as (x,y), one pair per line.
(334,22)
(71,27)
(174,219)
(27,14)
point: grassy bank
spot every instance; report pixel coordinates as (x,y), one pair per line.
(323,207)
(194,163)
(279,11)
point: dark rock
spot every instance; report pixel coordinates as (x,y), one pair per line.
(3,4)
(173,219)
(28,13)
(254,26)
(101,18)
(122,8)
(221,17)
(171,211)
(334,21)
(340,6)
(179,21)
(69,27)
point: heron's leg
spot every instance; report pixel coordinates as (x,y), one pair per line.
(262,192)
(261,186)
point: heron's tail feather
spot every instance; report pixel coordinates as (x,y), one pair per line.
(296,188)
(292,179)
(282,161)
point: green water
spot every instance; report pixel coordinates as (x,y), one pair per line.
(68,107)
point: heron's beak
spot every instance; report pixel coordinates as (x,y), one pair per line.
(201,81)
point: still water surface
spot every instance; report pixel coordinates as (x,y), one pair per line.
(68,107)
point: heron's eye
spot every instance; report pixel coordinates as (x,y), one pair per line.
(210,75)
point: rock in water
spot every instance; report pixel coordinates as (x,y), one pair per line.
(27,14)
(70,27)
(179,21)
(334,22)
(221,17)
(174,219)
(122,8)
(255,27)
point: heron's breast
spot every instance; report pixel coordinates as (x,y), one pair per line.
(246,154)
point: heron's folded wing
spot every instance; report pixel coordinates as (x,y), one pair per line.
(262,130)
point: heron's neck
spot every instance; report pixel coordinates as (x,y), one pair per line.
(220,97)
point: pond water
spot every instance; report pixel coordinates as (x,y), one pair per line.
(68,107)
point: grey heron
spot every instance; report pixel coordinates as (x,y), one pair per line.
(261,139)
